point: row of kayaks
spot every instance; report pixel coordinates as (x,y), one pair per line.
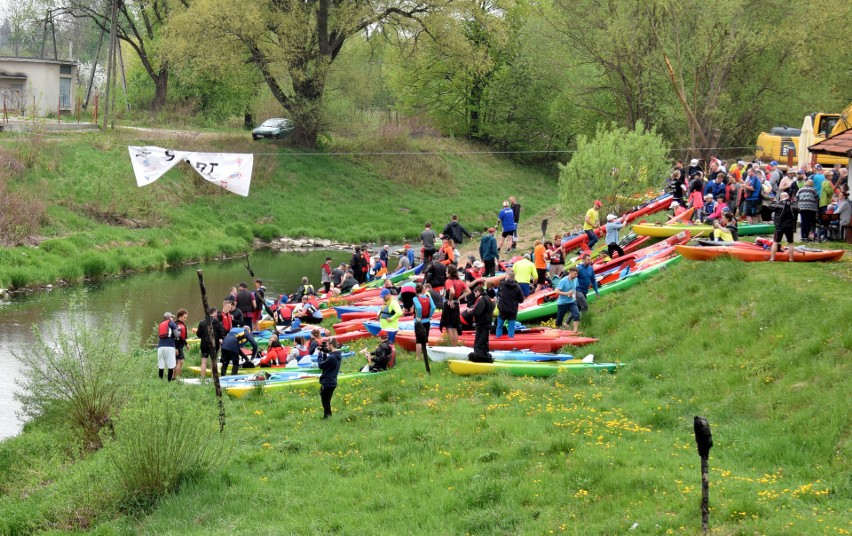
(665,230)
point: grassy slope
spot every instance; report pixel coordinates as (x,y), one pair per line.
(757,349)
(87,179)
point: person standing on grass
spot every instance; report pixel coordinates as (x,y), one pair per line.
(613,224)
(388,315)
(167,332)
(329,363)
(585,279)
(231,348)
(482,314)
(751,191)
(555,256)
(424,308)
(246,305)
(525,273)
(540,263)
(506,220)
(454,291)
(785,225)
(356,263)
(566,303)
(516,213)
(455,230)
(180,341)
(260,302)
(325,274)
(488,251)
(509,298)
(428,238)
(808,203)
(591,222)
(210,326)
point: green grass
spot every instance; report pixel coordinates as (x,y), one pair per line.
(100,223)
(759,350)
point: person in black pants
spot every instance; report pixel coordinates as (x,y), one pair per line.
(329,363)
(482,314)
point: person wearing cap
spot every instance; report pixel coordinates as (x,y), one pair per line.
(246,303)
(677,208)
(785,224)
(719,207)
(168,331)
(427,239)
(818,177)
(694,167)
(329,363)
(525,274)
(384,254)
(590,223)
(506,220)
(455,230)
(388,315)
(381,358)
(473,277)
(489,251)
(708,207)
(613,225)
(408,252)
(325,274)
(516,213)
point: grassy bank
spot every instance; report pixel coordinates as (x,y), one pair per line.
(758,349)
(96,221)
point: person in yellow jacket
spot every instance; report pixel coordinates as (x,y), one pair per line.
(525,274)
(591,222)
(389,314)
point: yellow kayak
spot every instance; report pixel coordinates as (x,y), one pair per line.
(665,231)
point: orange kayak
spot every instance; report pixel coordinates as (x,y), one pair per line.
(800,254)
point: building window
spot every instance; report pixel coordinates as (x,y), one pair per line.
(65,93)
(65,69)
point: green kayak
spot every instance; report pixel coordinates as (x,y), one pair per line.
(523,368)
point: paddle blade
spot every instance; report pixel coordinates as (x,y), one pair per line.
(589,358)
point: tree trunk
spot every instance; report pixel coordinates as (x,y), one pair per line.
(306,107)
(161,84)
(474,104)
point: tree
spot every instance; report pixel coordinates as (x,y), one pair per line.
(139,23)
(293,43)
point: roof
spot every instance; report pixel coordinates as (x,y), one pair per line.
(38,60)
(837,145)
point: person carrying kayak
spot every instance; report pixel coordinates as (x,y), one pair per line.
(382,357)
(203,331)
(329,361)
(590,223)
(167,331)
(389,314)
(424,308)
(231,345)
(506,220)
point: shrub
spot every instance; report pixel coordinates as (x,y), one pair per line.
(21,214)
(83,374)
(175,255)
(615,164)
(163,440)
(94,265)
(266,232)
(59,246)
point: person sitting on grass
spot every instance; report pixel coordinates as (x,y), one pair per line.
(725,229)
(275,353)
(382,358)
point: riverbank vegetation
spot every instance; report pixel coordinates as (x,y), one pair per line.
(87,218)
(407,452)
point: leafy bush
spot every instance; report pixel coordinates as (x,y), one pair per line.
(94,265)
(21,214)
(615,164)
(266,232)
(82,374)
(59,246)
(175,255)
(163,440)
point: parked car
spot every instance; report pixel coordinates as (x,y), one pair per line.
(276,128)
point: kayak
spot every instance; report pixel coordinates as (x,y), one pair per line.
(541,370)
(256,377)
(274,368)
(240,391)
(654,205)
(539,343)
(706,253)
(445,353)
(800,254)
(662,231)
(634,278)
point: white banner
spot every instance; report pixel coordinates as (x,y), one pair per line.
(231,171)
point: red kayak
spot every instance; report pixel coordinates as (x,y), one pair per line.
(800,254)
(538,344)
(359,315)
(649,208)
(355,335)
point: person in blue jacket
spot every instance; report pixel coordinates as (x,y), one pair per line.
(231,344)
(488,252)
(585,279)
(506,219)
(329,363)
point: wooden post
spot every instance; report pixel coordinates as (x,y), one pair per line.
(77,110)
(704,440)
(5,113)
(33,110)
(59,109)
(95,115)
(212,344)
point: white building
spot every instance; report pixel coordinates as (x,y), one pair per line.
(47,83)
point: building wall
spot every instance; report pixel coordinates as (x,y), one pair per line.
(43,82)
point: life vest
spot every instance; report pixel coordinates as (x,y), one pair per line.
(239,334)
(227,321)
(556,256)
(425,306)
(183,332)
(164,330)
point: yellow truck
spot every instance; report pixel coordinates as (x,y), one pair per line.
(780,141)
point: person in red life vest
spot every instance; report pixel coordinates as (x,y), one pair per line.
(225,317)
(424,308)
(180,341)
(246,305)
(218,332)
(473,277)
(365,267)
(315,341)
(325,274)
(382,358)
(283,315)
(168,332)
(454,291)
(275,353)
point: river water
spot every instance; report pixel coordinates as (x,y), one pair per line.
(137,303)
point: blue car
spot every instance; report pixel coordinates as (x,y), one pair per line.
(273,128)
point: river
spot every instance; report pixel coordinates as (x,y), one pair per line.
(144,297)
